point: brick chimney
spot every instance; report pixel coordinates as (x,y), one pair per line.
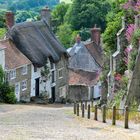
(96,35)
(46,14)
(10,19)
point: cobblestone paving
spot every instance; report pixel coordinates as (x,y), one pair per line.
(31,122)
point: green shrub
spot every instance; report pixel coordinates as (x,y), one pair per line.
(7,94)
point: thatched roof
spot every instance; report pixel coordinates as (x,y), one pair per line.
(37,42)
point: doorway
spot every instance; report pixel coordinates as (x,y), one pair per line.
(37,87)
(53,94)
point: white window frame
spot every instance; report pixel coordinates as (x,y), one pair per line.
(60,70)
(24,68)
(24,82)
(12,74)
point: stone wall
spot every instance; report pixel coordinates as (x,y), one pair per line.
(61,81)
(78,92)
(24,95)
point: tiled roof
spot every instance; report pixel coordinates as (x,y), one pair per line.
(96,52)
(80,77)
(13,57)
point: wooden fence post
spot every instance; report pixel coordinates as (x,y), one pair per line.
(126,115)
(96,113)
(77,109)
(104,113)
(88,112)
(86,105)
(83,110)
(74,109)
(114,115)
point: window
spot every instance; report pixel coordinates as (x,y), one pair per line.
(62,91)
(24,70)
(60,73)
(12,74)
(24,85)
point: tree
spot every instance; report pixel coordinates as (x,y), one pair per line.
(86,13)
(2,32)
(22,16)
(7,94)
(58,15)
(2,19)
(65,34)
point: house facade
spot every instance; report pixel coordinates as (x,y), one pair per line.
(85,65)
(18,70)
(48,57)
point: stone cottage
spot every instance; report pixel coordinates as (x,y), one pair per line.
(85,65)
(18,70)
(36,41)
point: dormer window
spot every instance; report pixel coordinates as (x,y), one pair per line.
(24,70)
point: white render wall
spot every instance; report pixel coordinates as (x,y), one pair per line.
(2,58)
(34,75)
(44,86)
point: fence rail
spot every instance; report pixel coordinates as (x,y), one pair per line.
(114,114)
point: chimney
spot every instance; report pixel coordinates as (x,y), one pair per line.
(78,39)
(46,14)
(95,35)
(10,19)
(137,22)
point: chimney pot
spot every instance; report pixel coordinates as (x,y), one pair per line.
(78,39)
(95,35)
(10,19)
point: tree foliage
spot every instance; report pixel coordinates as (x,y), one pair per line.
(86,13)
(7,94)
(58,15)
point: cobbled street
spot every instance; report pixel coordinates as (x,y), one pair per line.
(55,122)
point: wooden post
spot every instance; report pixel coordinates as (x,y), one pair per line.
(83,110)
(126,115)
(86,105)
(88,112)
(77,109)
(74,109)
(104,113)
(96,113)
(114,115)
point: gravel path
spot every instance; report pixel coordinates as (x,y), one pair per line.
(31,122)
